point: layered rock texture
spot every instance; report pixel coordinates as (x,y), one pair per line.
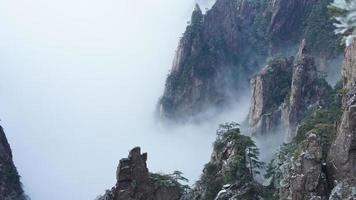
(319,163)
(342,155)
(283,92)
(268,93)
(307,90)
(307,176)
(222,49)
(10,186)
(134,182)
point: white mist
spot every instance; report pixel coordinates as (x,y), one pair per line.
(80,81)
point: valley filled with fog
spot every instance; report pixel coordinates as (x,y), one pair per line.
(80,83)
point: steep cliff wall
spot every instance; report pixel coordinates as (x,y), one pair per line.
(269,90)
(319,163)
(283,92)
(222,49)
(10,186)
(342,155)
(307,90)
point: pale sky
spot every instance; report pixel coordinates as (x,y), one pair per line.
(79,83)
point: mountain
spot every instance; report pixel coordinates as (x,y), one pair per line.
(221,50)
(10,185)
(318,162)
(280,50)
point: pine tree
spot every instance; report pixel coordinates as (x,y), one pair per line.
(344,12)
(178,176)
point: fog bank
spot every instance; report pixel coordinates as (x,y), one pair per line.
(80,81)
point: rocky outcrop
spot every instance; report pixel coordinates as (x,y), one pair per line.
(283,92)
(229,173)
(220,50)
(307,90)
(348,69)
(134,182)
(323,165)
(342,155)
(10,186)
(240,190)
(319,163)
(268,94)
(202,68)
(307,176)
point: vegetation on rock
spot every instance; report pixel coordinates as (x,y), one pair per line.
(235,162)
(344,12)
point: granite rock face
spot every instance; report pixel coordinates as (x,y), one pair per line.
(342,155)
(320,163)
(348,69)
(10,185)
(283,92)
(323,165)
(307,90)
(269,89)
(307,177)
(222,49)
(135,183)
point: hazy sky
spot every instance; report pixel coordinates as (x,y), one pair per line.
(79,83)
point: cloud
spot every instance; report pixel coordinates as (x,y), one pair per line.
(80,81)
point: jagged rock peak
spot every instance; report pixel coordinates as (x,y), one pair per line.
(197,15)
(134,181)
(308,90)
(132,168)
(303,51)
(10,185)
(221,50)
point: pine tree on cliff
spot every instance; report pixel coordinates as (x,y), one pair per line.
(344,12)
(178,176)
(253,163)
(245,163)
(234,161)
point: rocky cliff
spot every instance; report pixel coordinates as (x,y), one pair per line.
(283,92)
(268,94)
(230,172)
(342,155)
(319,162)
(222,49)
(10,186)
(218,54)
(134,182)
(308,90)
